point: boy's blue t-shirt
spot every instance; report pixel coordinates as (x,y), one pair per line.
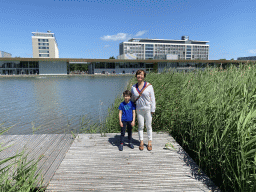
(127,110)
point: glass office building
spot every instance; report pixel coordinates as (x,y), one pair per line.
(165,49)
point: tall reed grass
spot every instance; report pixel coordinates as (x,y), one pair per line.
(211,114)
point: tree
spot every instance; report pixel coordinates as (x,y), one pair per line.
(112,57)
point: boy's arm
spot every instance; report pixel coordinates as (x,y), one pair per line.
(120,118)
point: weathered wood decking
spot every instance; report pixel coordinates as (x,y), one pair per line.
(53,147)
(95,163)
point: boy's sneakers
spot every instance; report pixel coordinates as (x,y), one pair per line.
(121,147)
(131,145)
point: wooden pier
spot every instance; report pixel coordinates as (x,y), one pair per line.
(94,163)
(53,147)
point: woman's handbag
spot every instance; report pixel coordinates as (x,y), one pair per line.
(140,93)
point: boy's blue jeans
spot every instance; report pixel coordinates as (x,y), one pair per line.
(129,130)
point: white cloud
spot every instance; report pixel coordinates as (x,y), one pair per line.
(140,33)
(106,46)
(117,37)
(252,51)
(122,36)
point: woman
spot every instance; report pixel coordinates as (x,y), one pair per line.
(145,106)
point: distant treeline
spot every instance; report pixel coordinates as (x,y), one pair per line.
(77,67)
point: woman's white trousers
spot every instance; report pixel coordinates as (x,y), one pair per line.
(144,115)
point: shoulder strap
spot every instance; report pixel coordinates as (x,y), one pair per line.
(137,88)
(147,84)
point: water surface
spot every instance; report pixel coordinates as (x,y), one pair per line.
(56,103)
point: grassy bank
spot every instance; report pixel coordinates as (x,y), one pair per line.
(211,114)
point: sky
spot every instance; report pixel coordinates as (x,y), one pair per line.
(93,29)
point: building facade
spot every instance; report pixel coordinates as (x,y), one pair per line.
(61,66)
(5,54)
(247,58)
(44,45)
(164,49)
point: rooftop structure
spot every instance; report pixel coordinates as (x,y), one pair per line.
(5,54)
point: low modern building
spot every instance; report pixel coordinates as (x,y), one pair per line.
(61,66)
(164,49)
(247,58)
(29,66)
(44,45)
(5,54)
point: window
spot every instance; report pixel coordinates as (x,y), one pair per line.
(43,55)
(121,65)
(43,47)
(45,44)
(43,40)
(99,65)
(24,64)
(33,64)
(128,65)
(43,51)
(110,65)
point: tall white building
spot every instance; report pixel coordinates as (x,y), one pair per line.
(183,49)
(44,45)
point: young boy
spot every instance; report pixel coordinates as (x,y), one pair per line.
(126,118)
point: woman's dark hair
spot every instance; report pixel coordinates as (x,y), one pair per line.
(127,92)
(139,71)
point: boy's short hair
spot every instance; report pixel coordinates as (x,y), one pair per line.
(139,71)
(127,92)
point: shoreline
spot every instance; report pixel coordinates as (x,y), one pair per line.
(68,75)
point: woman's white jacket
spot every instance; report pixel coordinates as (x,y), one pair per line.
(146,100)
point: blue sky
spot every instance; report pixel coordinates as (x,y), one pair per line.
(94,28)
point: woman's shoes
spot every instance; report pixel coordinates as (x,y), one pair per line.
(149,147)
(141,147)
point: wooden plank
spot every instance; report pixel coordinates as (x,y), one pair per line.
(49,145)
(57,156)
(95,163)
(46,148)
